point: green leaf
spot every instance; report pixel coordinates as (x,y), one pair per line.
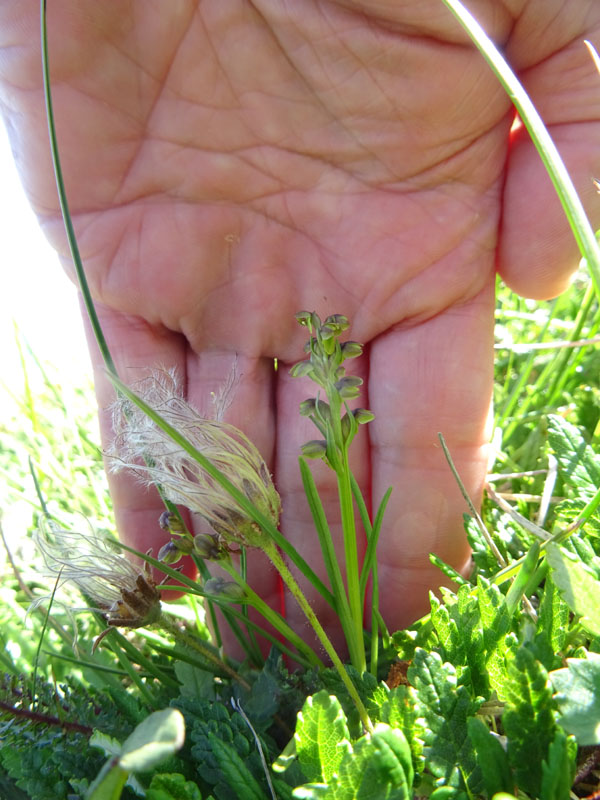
(496,623)
(459,628)
(577,689)
(491,757)
(154,739)
(241,782)
(172,787)
(109,783)
(579,589)
(194,681)
(579,465)
(558,770)
(380,768)
(528,718)
(398,711)
(321,737)
(553,617)
(445,708)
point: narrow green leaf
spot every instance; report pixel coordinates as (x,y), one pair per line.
(577,689)
(579,589)
(519,584)
(109,783)
(321,736)
(491,757)
(334,574)
(553,617)
(558,770)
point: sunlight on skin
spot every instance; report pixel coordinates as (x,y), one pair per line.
(230,164)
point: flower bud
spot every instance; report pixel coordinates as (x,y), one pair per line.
(229,590)
(170,522)
(349,426)
(303,317)
(301,369)
(363,415)
(169,553)
(307,407)
(207,546)
(338,322)
(348,386)
(351,350)
(316,448)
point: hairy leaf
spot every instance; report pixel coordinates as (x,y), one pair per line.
(378,768)
(491,757)
(579,465)
(580,590)
(558,769)
(578,697)
(445,708)
(321,737)
(496,623)
(528,719)
(172,787)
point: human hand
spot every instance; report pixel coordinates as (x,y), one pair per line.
(230,164)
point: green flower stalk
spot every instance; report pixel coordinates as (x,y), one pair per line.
(141,445)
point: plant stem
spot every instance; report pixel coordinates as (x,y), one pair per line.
(574,211)
(273,618)
(280,565)
(181,635)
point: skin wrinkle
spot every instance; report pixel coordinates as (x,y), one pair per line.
(356,223)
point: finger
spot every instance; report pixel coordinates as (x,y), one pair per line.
(538,252)
(435,377)
(135,345)
(240,388)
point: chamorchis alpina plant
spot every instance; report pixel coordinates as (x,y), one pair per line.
(151,425)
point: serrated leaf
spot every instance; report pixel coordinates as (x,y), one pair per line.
(579,589)
(172,787)
(458,625)
(579,465)
(528,718)
(492,758)
(558,769)
(399,711)
(195,682)
(577,689)
(157,737)
(445,708)
(321,737)
(553,617)
(240,781)
(380,768)
(495,622)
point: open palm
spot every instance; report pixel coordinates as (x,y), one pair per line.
(228,164)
